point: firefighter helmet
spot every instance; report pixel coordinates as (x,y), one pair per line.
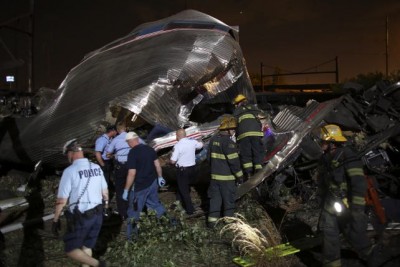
(227,123)
(332,132)
(239,98)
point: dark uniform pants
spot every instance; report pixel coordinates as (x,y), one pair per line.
(354,227)
(251,153)
(185,177)
(222,197)
(121,171)
(108,172)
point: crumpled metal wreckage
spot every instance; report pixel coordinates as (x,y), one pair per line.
(178,71)
(370,118)
(184,71)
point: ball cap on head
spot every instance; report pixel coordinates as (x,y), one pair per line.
(131,135)
(71,145)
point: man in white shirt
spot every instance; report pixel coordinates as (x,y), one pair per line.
(184,158)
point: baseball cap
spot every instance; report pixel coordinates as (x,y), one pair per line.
(71,145)
(131,135)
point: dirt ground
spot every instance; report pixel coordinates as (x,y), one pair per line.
(189,244)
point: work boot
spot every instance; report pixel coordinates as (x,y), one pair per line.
(132,231)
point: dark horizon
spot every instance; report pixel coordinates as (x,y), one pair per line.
(295,37)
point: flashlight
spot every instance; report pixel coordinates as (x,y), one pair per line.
(338,207)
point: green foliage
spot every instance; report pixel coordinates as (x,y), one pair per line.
(162,244)
(368,80)
(394,76)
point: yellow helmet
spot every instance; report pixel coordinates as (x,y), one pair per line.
(332,132)
(228,122)
(239,98)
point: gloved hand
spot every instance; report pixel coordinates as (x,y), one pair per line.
(161,181)
(125,195)
(55,227)
(106,212)
(239,180)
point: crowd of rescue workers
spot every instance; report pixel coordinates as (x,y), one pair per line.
(128,167)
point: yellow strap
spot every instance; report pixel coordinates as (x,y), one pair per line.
(246,116)
(358,200)
(247,134)
(243,262)
(248,165)
(222,177)
(222,156)
(239,174)
(232,156)
(212,219)
(258,166)
(355,172)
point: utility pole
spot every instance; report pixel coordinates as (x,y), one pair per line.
(262,76)
(337,69)
(387,45)
(31,49)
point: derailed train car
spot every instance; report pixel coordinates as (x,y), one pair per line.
(183,70)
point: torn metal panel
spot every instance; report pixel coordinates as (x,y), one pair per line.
(303,121)
(159,72)
(197,132)
(12,202)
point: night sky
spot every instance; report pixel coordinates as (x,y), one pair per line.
(295,36)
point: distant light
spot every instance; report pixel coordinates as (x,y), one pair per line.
(10,79)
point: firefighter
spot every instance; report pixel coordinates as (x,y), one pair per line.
(249,135)
(225,171)
(343,187)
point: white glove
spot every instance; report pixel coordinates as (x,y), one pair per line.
(161,181)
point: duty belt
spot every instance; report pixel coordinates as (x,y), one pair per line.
(184,168)
(93,211)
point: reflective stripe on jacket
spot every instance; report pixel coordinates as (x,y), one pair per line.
(347,175)
(224,158)
(248,124)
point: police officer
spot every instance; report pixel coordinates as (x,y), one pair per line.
(119,149)
(225,169)
(343,186)
(184,158)
(101,145)
(82,185)
(144,173)
(249,135)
